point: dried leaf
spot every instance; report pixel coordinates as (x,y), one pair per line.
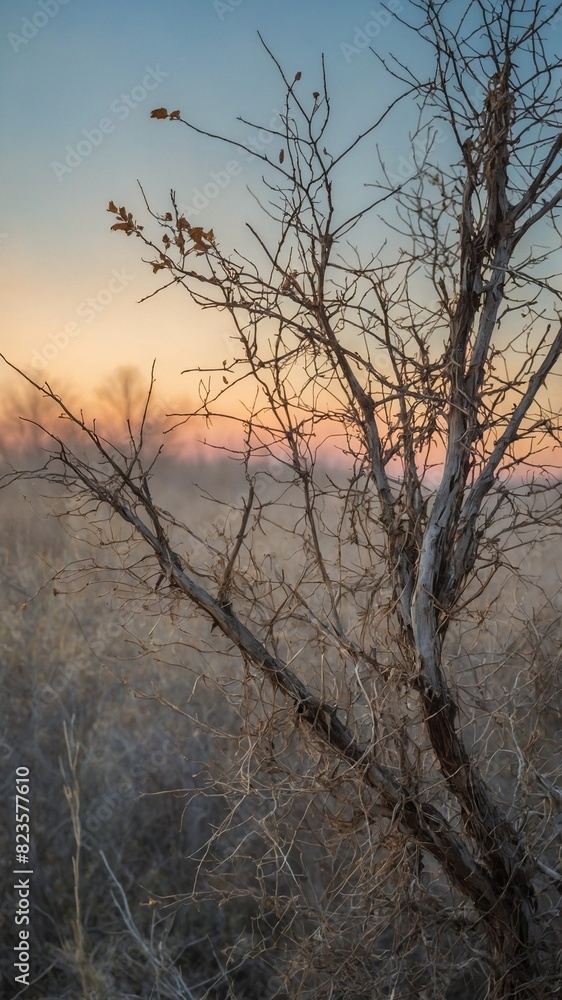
(159,113)
(174,115)
(112,207)
(297,76)
(122,225)
(281,156)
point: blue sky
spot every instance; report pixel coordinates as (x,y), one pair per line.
(79,80)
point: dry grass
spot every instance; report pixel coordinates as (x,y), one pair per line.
(186,841)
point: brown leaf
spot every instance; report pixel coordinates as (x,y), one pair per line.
(281,156)
(297,76)
(225,380)
(112,207)
(315,95)
(174,115)
(159,113)
(122,225)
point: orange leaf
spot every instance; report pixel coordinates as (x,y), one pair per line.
(159,113)
(112,207)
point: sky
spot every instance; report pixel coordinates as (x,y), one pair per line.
(79,80)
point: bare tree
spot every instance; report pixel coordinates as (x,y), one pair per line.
(423,364)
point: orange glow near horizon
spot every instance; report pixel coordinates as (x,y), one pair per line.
(197,439)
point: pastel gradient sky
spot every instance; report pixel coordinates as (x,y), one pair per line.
(82,78)
(79,79)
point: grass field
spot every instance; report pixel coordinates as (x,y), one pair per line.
(171,856)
